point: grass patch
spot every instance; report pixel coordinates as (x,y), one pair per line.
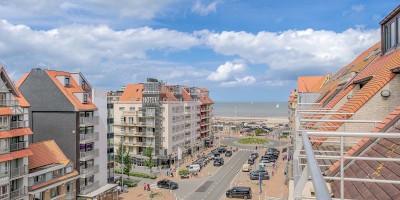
(252,141)
(137,174)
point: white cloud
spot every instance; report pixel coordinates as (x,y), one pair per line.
(227,71)
(357,7)
(245,81)
(200,8)
(293,49)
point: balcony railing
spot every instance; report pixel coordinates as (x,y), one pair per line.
(5,196)
(19,171)
(89,154)
(89,137)
(150,114)
(4,150)
(70,195)
(8,103)
(4,177)
(85,189)
(90,170)
(18,146)
(86,121)
(19,193)
(145,134)
(19,124)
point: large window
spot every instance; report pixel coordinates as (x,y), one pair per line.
(392,34)
(55,191)
(398,30)
(40,178)
(3,122)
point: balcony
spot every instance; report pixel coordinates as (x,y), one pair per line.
(8,103)
(4,150)
(19,124)
(5,196)
(18,146)
(145,134)
(16,194)
(86,189)
(4,177)
(86,172)
(19,171)
(87,155)
(89,137)
(150,114)
(142,143)
(86,121)
(70,196)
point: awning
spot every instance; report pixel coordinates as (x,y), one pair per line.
(99,191)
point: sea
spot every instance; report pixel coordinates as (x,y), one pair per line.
(251,109)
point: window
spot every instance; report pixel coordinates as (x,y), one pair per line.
(40,178)
(392,34)
(132,108)
(55,191)
(121,108)
(3,122)
(398,30)
(67,82)
(3,101)
(85,98)
(57,173)
(68,169)
(68,187)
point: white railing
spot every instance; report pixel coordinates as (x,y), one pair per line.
(86,121)
(4,177)
(89,137)
(89,188)
(90,170)
(19,124)
(89,154)
(19,171)
(4,150)
(5,196)
(18,146)
(8,103)
(19,193)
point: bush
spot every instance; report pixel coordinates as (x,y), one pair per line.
(130,183)
(136,174)
(153,176)
(183,172)
(252,141)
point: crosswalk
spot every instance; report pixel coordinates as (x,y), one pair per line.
(272,198)
(154,186)
(247,150)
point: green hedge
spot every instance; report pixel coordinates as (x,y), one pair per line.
(252,141)
(136,174)
(130,183)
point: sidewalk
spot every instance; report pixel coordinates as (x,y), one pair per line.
(139,193)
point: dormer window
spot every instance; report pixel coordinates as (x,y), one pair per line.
(67,82)
(85,98)
(391,31)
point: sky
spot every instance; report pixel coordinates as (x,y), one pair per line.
(249,50)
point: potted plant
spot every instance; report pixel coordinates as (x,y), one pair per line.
(184,173)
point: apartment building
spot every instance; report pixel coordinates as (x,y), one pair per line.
(363,97)
(63,109)
(164,117)
(14,147)
(206,115)
(51,174)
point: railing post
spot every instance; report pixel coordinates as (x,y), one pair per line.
(341,168)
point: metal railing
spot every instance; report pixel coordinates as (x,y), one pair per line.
(5,196)
(8,103)
(86,155)
(85,189)
(19,124)
(18,146)
(4,177)
(19,171)
(86,121)
(313,169)
(19,193)
(90,170)
(4,150)
(89,137)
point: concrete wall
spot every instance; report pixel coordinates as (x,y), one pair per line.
(100,100)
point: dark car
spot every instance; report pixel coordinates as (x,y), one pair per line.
(270,158)
(228,153)
(165,183)
(255,155)
(254,175)
(221,149)
(202,162)
(239,192)
(218,161)
(250,161)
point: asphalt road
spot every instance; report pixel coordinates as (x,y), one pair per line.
(216,186)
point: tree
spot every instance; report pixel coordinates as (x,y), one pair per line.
(259,131)
(127,163)
(121,151)
(149,154)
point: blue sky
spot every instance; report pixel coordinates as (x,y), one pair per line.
(241,50)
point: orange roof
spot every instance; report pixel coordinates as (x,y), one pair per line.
(204,98)
(44,184)
(169,96)
(15,155)
(18,96)
(204,89)
(46,153)
(5,111)
(132,92)
(186,96)
(19,83)
(15,132)
(69,91)
(309,83)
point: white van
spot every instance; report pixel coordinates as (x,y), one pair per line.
(194,168)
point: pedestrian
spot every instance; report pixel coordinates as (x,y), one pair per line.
(144,186)
(172,174)
(148,187)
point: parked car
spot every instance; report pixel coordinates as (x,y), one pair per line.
(254,175)
(239,192)
(194,168)
(246,167)
(202,162)
(255,155)
(221,149)
(228,153)
(250,161)
(218,161)
(263,161)
(165,183)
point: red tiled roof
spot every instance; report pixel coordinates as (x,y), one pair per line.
(5,111)
(46,153)
(15,132)
(44,184)
(186,96)
(132,92)
(204,98)
(309,83)
(18,96)
(69,91)
(15,155)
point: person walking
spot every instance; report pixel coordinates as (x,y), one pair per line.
(148,187)
(172,174)
(144,186)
